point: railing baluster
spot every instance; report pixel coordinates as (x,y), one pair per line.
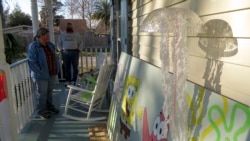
(26,101)
(29,99)
(86,56)
(91,55)
(17,107)
(23,107)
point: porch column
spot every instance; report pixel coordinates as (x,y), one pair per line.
(8,121)
(34,14)
(48,4)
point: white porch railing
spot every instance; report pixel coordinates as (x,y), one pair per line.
(23,88)
(88,58)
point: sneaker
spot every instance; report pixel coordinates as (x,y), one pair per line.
(44,115)
(53,111)
(66,84)
(73,83)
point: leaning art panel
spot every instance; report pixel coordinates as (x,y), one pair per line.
(136,112)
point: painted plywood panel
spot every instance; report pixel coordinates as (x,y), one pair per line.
(146,92)
(210,116)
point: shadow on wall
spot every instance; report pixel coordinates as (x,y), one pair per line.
(216,39)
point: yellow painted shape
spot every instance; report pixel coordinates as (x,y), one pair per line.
(196,121)
(209,129)
(130,101)
(139,111)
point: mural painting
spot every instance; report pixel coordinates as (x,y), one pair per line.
(129,101)
(215,117)
(139,114)
(159,128)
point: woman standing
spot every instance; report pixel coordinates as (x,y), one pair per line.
(44,69)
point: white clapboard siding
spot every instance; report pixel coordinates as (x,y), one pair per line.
(232,81)
(208,7)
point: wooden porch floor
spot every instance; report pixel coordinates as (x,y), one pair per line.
(59,128)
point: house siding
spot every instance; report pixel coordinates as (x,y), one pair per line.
(214,103)
(235,69)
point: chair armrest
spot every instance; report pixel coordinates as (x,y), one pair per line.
(79,89)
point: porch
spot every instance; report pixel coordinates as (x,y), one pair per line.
(32,128)
(59,128)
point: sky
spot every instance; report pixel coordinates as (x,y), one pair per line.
(25,5)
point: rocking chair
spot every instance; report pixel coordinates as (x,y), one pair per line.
(86,101)
(101,60)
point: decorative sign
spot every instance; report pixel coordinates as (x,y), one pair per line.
(139,115)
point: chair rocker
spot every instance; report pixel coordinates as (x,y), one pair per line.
(86,101)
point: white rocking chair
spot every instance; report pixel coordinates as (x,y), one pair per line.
(86,101)
(101,59)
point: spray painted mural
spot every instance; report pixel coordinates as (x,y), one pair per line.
(210,116)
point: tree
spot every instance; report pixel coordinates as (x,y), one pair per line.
(14,47)
(57,5)
(1,12)
(56,8)
(4,12)
(72,7)
(102,12)
(89,11)
(57,19)
(17,17)
(43,16)
(82,8)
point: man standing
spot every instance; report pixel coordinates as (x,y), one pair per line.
(70,45)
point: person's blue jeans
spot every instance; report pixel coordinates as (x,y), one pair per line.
(70,57)
(44,90)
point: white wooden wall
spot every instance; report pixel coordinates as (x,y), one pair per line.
(233,78)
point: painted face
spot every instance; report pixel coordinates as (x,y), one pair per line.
(130,98)
(159,128)
(45,38)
